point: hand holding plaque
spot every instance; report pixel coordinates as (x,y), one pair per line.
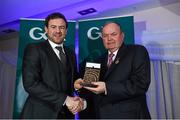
(92,72)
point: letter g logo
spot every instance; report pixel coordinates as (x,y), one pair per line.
(93,33)
(36,33)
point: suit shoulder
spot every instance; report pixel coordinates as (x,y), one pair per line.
(136,47)
(33,47)
(70,50)
(141,48)
(36,43)
(137,50)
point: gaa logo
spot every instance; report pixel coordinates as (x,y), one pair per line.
(94,33)
(37,33)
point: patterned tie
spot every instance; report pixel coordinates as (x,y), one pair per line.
(62,56)
(110,59)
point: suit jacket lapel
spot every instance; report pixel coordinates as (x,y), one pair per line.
(119,56)
(68,55)
(70,62)
(51,51)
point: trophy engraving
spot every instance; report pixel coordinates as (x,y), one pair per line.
(92,72)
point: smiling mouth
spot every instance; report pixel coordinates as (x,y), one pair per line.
(57,35)
(110,43)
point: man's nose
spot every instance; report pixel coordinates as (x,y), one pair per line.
(58,30)
(109,37)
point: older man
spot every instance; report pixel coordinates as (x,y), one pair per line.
(124,80)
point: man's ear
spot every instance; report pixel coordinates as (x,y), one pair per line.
(122,35)
(66,31)
(45,28)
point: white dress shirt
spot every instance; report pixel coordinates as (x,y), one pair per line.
(54,45)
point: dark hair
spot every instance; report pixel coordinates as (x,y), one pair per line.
(54,16)
(108,22)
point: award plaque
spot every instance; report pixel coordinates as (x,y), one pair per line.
(92,72)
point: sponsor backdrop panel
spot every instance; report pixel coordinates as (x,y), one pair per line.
(90,42)
(32,30)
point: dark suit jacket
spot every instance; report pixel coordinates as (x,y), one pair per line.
(42,79)
(127,81)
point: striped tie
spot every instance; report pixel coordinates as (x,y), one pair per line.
(62,56)
(110,59)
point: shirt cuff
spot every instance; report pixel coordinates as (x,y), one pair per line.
(85,104)
(105,90)
(65,101)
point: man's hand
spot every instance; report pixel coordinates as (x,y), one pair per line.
(75,104)
(101,87)
(77,84)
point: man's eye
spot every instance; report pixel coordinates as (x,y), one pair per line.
(104,36)
(53,27)
(62,27)
(114,34)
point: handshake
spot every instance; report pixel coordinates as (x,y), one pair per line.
(77,104)
(74,104)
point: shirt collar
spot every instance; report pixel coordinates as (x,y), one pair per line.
(53,45)
(115,52)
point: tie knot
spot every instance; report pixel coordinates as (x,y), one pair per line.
(62,55)
(59,48)
(111,55)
